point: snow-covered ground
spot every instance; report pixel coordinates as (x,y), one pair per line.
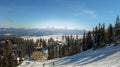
(103,57)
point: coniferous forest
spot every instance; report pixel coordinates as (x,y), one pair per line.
(98,37)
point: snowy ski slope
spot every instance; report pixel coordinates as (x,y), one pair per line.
(103,57)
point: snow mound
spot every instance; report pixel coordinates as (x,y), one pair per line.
(103,57)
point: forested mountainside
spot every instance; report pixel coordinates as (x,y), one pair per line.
(14,32)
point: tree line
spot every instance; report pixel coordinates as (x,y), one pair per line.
(97,38)
(101,36)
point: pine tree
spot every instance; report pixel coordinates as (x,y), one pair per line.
(89,40)
(97,37)
(117,30)
(51,48)
(103,35)
(110,34)
(84,42)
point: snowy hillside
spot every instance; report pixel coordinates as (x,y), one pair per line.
(103,57)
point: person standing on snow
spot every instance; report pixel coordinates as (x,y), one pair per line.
(53,64)
(43,64)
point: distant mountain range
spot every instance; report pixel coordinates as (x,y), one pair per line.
(14,32)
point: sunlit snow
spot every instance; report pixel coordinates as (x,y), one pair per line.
(103,57)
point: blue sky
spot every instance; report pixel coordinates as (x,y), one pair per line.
(72,14)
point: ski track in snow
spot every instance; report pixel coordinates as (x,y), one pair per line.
(102,57)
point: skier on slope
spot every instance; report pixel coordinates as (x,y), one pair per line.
(53,64)
(43,64)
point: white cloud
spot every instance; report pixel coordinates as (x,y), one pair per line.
(90,12)
(87,12)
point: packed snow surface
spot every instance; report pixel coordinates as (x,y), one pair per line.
(102,57)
